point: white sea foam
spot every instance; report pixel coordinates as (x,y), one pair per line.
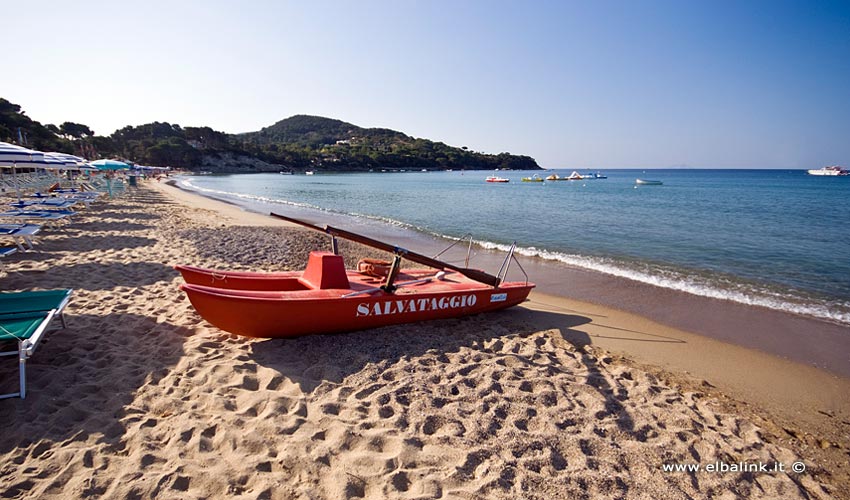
(671,279)
(186,183)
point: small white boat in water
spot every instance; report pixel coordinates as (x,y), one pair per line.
(647,182)
(494,178)
(829,171)
(309,172)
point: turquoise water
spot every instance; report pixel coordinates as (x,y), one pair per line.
(779,239)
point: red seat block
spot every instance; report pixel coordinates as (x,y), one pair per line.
(325,270)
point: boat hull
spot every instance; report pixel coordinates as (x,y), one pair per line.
(828,172)
(275,314)
(241,280)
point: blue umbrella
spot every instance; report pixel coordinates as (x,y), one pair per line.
(110,165)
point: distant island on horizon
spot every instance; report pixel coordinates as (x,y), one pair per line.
(299,143)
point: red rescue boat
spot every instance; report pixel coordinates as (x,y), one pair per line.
(327,298)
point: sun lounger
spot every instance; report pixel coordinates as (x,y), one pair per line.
(21,234)
(58,203)
(24,318)
(24,203)
(42,217)
(6,251)
(60,211)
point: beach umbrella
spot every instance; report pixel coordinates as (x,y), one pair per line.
(60,162)
(78,159)
(51,162)
(13,156)
(110,165)
(71,162)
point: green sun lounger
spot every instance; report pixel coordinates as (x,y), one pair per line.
(24,318)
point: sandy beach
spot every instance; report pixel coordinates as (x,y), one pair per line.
(558,398)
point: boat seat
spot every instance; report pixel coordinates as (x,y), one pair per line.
(325,270)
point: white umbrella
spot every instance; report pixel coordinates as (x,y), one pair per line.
(66,156)
(71,162)
(58,162)
(11,154)
(14,156)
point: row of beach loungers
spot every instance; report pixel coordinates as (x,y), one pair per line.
(25,316)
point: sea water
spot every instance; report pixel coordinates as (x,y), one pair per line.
(771,238)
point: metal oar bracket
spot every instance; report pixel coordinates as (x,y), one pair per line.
(395,267)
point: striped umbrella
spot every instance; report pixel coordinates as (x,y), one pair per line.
(72,162)
(13,156)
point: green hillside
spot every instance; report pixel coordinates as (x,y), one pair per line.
(298,143)
(331,144)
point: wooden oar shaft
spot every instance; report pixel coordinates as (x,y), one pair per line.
(473,274)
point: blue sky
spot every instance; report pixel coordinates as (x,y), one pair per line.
(598,84)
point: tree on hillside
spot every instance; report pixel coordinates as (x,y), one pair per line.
(7,107)
(75,130)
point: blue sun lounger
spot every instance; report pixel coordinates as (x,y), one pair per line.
(43,217)
(41,204)
(24,318)
(21,234)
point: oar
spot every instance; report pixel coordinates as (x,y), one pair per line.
(473,274)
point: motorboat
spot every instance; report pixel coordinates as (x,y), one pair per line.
(495,178)
(327,298)
(647,182)
(832,171)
